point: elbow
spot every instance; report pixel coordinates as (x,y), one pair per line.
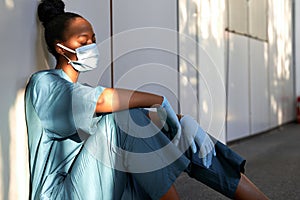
(104,103)
(99,106)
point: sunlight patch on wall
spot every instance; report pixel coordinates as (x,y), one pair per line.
(10,4)
(281,66)
(205,107)
(281,26)
(209,24)
(19,166)
(273,104)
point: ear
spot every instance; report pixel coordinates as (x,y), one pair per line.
(58,49)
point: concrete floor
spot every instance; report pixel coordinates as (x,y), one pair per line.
(273,164)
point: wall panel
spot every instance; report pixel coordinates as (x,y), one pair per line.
(238,88)
(145,37)
(259,87)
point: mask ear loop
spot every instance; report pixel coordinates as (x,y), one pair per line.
(67,49)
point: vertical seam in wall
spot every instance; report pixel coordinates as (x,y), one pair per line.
(178,56)
(249,70)
(268,67)
(294,54)
(197,54)
(227,72)
(111,45)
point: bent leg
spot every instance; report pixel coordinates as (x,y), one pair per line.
(122,149)
(225,175)
(246,190)
(171,194)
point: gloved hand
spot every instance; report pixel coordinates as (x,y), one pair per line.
(194,136)
(168,116)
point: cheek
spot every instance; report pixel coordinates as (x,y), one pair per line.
(72,45)
(72,42)
(72,56)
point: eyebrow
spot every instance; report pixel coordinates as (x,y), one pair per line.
(86,35)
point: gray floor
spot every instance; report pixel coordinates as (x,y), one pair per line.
(273,164)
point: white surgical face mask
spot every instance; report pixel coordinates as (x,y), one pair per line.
(88,57)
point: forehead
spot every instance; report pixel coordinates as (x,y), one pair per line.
(78,26)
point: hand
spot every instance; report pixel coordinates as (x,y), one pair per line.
(168,116)
(194,136)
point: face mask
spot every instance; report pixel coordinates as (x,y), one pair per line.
(88,57)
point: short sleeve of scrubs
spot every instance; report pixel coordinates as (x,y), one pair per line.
(84,100)
(64,107)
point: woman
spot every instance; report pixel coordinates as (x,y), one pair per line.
(116,153)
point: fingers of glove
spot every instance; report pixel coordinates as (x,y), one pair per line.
(162,114)
(206,156)
(208,159)
(177,137)
(208,143)
(165,125)
(187,141)
(202,151)
(199,140)
(193,147)
(185,145)
(204,160)
(169,111)
(211,147)
(211,152)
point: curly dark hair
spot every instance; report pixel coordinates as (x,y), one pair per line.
(55,21)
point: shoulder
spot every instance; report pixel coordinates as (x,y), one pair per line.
(44,76)
(46,79)
(42,83)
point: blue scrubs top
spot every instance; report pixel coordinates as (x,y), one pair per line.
(75,154)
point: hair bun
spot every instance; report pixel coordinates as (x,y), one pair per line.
(48,9)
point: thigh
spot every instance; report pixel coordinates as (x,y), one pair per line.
(90,179)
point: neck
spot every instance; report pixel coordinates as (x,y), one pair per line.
(69,70)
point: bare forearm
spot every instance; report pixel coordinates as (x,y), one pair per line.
(112,100)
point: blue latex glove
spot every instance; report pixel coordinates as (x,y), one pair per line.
(194,136)
(168,116)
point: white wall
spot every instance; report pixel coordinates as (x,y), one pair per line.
(238,88)
(202,63)
(259,87)
(145,46)
(281,71)
(260,76)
